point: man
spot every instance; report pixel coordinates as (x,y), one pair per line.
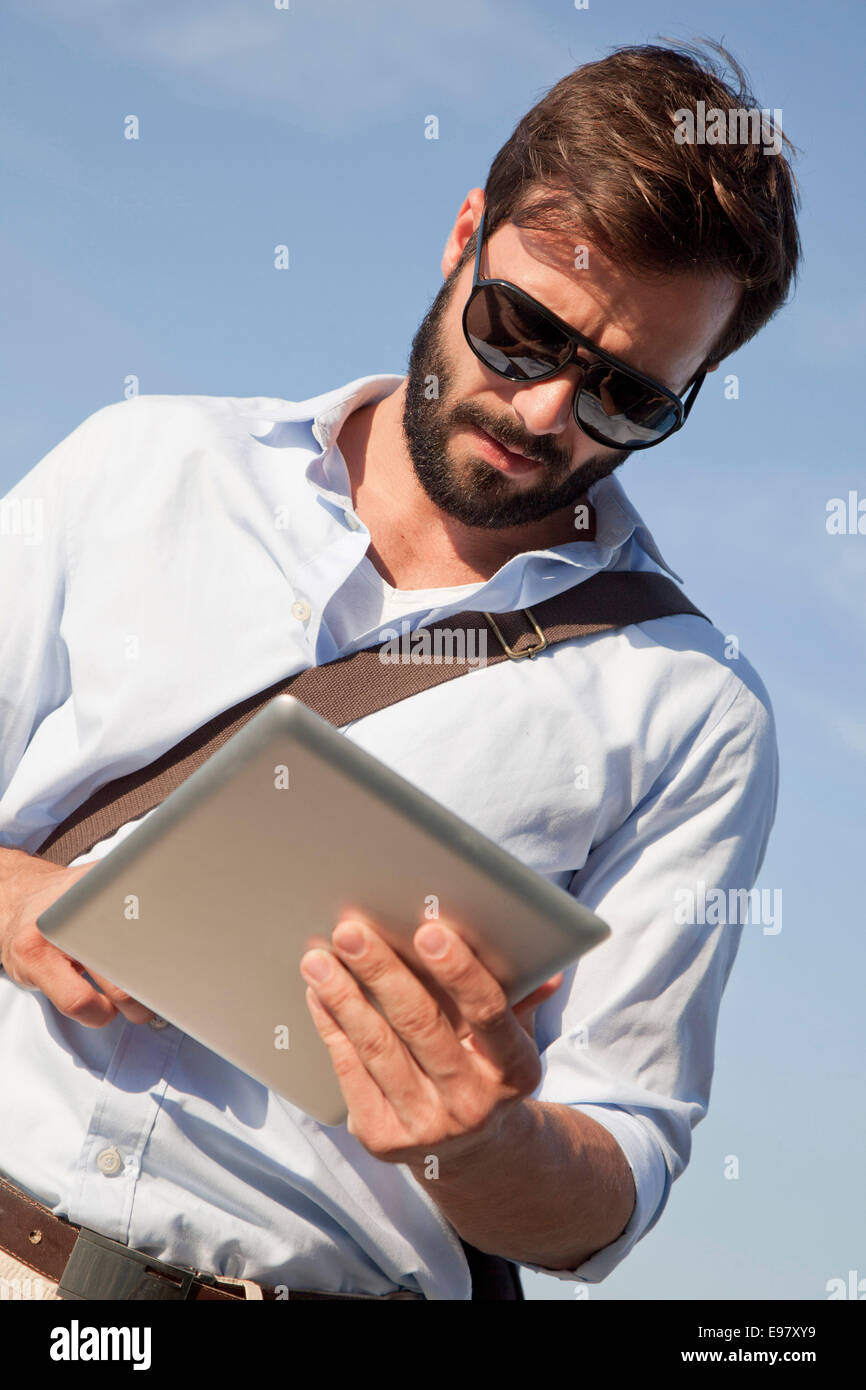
(198,549)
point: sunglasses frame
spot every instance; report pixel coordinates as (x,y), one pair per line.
(577,340)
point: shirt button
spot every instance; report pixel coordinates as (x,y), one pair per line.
(157,1023)
(109,1162)
(301,610)
(352,521)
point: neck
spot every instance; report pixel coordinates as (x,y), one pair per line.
(414,544)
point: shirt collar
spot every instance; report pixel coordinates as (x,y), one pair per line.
(615,513)
(617,519)
(328,412)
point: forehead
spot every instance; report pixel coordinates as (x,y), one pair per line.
(662,326)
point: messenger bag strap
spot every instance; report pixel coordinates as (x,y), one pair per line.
(363,682)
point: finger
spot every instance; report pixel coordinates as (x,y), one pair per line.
(36,964)
(131,1009)
(525,1008)
(373,1038)
(364,1100)
(539,995)
(496,1033)
(406,1001)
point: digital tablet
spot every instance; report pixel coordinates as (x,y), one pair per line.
(203,911)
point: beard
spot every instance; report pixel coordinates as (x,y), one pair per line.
(475,493)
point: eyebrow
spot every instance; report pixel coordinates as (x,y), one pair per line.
(588,351)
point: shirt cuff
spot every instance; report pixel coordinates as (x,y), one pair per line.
(651,1183)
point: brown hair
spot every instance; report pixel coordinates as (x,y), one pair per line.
(598,151)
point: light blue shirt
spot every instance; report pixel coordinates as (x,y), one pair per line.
(175,554)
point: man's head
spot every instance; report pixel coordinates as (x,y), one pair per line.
(667,255)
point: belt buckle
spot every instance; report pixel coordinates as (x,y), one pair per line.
(100,1268)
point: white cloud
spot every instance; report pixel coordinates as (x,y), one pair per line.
(327,65)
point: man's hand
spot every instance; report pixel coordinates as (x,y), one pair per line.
(28,886)
(413,1084)
(536,1182)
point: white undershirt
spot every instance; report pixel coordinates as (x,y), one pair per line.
(365,601)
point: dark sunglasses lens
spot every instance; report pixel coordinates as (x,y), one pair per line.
(622,409)
(511,337)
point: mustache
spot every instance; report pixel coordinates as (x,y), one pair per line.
(533,448)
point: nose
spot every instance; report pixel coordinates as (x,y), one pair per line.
(545,407)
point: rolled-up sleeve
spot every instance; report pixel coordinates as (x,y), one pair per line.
(630,1036)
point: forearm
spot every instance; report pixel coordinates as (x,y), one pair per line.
(551,1189)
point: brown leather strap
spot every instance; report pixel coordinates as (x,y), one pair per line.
(354,686)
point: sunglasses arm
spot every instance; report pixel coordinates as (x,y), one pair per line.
(692,396)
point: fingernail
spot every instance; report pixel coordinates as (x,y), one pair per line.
(317,965)
(432,941)
(349,938)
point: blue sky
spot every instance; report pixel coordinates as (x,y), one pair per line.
(306,127)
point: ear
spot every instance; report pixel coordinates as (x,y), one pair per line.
(467,220)
(713,368)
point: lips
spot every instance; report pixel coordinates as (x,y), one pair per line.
(504,459)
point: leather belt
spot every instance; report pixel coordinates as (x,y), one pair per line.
(86,1265)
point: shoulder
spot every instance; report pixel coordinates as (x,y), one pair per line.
(713,693)
(180,419)
(666,684)
(157,443)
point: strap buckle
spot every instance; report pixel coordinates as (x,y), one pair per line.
(527,651)
(100,1268)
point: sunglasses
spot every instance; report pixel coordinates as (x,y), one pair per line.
(521,340)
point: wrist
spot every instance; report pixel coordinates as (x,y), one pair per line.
(461,1160)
